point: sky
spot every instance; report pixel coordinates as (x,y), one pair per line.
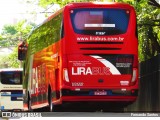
(11,11)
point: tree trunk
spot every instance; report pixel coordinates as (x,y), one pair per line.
(153,39)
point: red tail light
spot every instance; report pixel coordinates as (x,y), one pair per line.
(65,75)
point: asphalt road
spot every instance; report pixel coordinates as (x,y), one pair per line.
(86,107)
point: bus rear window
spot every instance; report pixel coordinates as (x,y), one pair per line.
(108,21)
(10,77)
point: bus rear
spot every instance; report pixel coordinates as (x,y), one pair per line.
(100,52)
(11,92)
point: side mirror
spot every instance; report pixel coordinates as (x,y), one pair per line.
(22,50)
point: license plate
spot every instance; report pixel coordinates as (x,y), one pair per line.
(100,93)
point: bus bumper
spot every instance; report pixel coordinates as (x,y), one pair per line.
(99,98)
(110,95)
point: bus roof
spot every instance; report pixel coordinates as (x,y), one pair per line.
(109,4)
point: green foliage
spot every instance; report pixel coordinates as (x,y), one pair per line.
(10,37)
(10,61)
(12,58)
(45,3)
(1,37)
(146,17)
(126,1)
(9,29)
(12,34)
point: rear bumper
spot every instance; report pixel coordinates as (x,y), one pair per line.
(88,95)
(99,98)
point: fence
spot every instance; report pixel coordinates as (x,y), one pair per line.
(149,87)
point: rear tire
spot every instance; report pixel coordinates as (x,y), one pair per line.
(29,103)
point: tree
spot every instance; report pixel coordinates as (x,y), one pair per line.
(10,61)
(12,34)
(10,37)
(9,29)
(149,33)
(148,27)
(45,3)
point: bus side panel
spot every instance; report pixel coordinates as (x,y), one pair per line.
(27,68)
(44,46)
(45,65)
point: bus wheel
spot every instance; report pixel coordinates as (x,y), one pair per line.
(50,100)
(29,103)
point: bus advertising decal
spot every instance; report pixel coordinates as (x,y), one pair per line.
(112,65)
(100,39)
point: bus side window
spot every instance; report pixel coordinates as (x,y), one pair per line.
(62,29)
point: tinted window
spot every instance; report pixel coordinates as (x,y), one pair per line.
(46,34)
(11,77)
(92,21)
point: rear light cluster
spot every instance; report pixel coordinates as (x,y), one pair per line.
(65,75)
(134,76)
(133,79)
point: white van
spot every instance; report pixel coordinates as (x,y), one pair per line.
(11,90)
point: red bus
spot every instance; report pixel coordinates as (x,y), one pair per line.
(83,52)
